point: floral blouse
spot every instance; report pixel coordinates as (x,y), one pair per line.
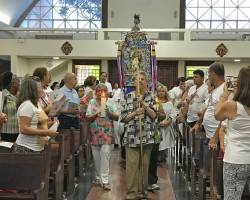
(102,128)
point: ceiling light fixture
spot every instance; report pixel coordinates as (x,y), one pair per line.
(56,58)
(236,60)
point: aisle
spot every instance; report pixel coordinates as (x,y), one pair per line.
(117,181)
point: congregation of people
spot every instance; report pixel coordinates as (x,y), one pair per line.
(142,124)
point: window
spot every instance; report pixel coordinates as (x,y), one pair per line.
(65,14)
(191,69)
(218,14)
(83,71)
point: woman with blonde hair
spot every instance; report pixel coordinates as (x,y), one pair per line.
(166,128)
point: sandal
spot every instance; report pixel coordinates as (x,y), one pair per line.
(106,186)
(96,182)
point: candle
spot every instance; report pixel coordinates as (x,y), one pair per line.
(103,105)
(157,104)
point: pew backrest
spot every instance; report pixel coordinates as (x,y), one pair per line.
(24,171)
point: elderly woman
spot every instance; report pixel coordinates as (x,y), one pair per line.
(101,133)
(10,83)
(32,120)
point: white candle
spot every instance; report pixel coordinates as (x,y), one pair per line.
(157,104)
(103,105)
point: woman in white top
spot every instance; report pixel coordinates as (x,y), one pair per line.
(166,129)
(32,120)
(236,169)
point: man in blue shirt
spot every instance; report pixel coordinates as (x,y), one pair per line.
(69,116)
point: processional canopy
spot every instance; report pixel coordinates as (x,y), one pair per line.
(136,51)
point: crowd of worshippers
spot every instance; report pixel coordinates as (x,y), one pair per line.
(139,118)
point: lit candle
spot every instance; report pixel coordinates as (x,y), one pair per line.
(103,105)
(157,104)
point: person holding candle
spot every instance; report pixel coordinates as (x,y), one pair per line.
(101,113)
(138,104)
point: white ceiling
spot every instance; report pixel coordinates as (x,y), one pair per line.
(11,10)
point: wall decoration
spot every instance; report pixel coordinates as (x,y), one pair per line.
(136,51)
(66,48)
(221,50)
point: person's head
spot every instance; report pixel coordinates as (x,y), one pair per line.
(11,82)
(70,80)
(43,74)
(55,86)
(80,90)
(210,87)
(198,77)
(242,94)
(61,84)
(90,81)
(235,85)
(30,90)
(163,93)
(101,90)
(116,86)
(188,84)
(216,73)
(181,82)
(143,85)
(103,77)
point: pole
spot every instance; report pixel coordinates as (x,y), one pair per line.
(136,62)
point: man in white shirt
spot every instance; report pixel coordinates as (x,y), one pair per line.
(211,125)
(103,79)
(197,95)
(176,93)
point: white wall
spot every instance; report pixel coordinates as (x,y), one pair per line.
(106,49)
(153,13)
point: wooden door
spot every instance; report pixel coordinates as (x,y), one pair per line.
(113,76)
(167,72)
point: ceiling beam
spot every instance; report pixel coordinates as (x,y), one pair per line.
(25,13)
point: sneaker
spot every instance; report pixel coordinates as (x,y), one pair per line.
(155,187)
(150,188)
(106,186)
(97,182)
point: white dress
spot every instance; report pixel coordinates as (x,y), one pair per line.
(168,134)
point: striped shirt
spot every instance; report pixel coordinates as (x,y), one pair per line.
(11,126)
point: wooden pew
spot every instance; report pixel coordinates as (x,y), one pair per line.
(78,153)
(85,129)
(188,152)
(196,142)
(57,168)
(204,169)
(69,160)
(25,172)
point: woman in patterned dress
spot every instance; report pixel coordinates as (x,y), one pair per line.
(101,134)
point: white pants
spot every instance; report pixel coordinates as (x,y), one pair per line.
(118,130)
(101,155)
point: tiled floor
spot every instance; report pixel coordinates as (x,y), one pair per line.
(171,182)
